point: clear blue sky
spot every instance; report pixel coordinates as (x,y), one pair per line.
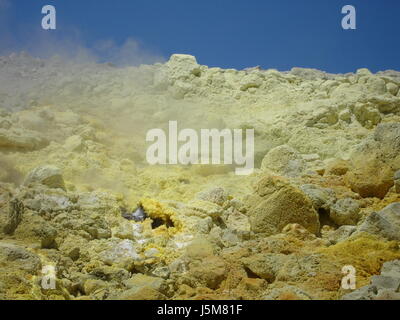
(227,33)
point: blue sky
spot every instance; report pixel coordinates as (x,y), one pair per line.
(225,33)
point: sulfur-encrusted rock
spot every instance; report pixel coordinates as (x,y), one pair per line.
(397,181)
(276,204)
(345,212)
(252,80)
(284,160)
(72,246)
(238,222)
(385,223)
(322,198)
(144,293)
(19,257)
(47,175)
(92,285)
(337,168)
(208,272)
(287,292)
(392,88)
(139,281)
(375,161)
(15,213)
(367,115)
(182,66)
(74,143)
(265,266)
(21,139)
(123,254)
(341,234)
(215,195)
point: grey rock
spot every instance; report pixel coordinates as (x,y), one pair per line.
(341,234)
(284,160)
(364,293)
(214,195)
(15,212)
(20,257)
(138,215)
(345,212)
(385,223)
(275,293)
(322,198)
(389,135)
(47,175)
(139,281)
(387,294)
(385,282)
(391,269)
(397,181)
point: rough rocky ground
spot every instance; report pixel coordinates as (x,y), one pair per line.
(325,194)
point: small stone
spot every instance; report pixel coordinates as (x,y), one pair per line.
(139,281)
(341,234)
(47,175)
(92,285)
(214,195)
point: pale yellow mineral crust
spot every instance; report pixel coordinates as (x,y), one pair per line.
(325,192)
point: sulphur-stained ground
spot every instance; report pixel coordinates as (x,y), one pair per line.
(84,216)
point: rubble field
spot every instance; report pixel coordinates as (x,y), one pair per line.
(78,198)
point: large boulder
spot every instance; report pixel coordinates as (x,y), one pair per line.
(276,204)
(373,164)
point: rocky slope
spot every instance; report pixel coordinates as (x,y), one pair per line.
(74,180)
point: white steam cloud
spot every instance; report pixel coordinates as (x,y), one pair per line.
(67,43)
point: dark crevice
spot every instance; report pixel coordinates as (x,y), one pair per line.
(158,222)
(325,219)
(251,274)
